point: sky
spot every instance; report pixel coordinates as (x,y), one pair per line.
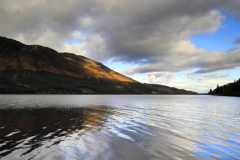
(187,44)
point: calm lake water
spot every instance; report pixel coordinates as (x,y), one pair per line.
(116,127)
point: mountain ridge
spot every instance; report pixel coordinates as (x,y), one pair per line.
(35,69)
(169,90)
(38,58)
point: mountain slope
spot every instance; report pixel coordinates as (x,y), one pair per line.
(169,90)
(38,69)
(18,56)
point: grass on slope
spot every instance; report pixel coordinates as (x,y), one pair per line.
(30,82)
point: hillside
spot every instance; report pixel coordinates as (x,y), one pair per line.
(37,69)
(169,90)
(18,56)
(230,89)
(31,69)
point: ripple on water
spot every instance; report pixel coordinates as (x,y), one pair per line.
(119,127)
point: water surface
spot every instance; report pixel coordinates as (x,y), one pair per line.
(119,127)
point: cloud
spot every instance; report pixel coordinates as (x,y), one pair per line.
(206,60)
(155,35)
(208,76)
(160,77)
(152,79)
(237,39)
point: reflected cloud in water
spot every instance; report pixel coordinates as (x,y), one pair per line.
(119,127)
(26,130)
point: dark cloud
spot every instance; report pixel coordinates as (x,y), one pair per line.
(154,34)
(237,39)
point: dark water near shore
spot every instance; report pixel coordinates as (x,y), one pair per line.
(110,127)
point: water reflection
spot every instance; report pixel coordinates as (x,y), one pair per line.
(119,127)
(31,128)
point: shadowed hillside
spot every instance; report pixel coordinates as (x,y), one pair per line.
(37,69)
(230,89)
(43,82)
(169,90)
(18,56)
(31,69)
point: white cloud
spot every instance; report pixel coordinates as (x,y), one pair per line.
(152,79)
(160,77)
(208,76)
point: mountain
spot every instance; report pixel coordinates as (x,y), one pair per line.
(169,90)
(18,56)
(38,69)
(230,89)
(30,69)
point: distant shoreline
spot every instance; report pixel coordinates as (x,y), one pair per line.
(94,94)
(227,95)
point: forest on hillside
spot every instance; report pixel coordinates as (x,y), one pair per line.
(230,89)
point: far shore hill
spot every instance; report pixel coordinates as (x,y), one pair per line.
(35,69)
(230,89)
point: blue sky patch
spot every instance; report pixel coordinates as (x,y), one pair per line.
(73,41)
(222,39)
